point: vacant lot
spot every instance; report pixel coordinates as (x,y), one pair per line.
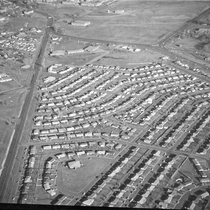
(143,21)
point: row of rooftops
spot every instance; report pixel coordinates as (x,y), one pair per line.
(88,144)
(27,173)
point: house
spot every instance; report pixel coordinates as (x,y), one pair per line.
(88,202)
(97,134)
(192,206)
(28,12)
(47,147)
(118,146)
(38,123)
(81,23)
(115,135)
(204,195)
(27,179)
(86,125)
(88,134)
(92,143)
(102,144)
(79,135)
(75,51)
(70,154)
(60,156)
(74,164)
(44,131)
(79,153)
(101,152)
(2,19)
(65,146)
(83,144)
(47,186)
(70,129)
(90,152)
(72,145)
(36,132)
(51,192)
(58,53)
(57,146)
(91,48)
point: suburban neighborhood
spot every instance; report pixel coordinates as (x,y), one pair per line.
(104,122)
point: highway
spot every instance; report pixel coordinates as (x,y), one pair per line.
(6,172)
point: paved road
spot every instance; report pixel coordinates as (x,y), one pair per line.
(6,172)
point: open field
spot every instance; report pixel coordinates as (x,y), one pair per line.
(63,11)
(129,59)
(69,181)
(67,44)
(11,103)
(5,133)
(18,22)
(143,22)
(77,59)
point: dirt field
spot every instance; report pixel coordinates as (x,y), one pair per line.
(143,21)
